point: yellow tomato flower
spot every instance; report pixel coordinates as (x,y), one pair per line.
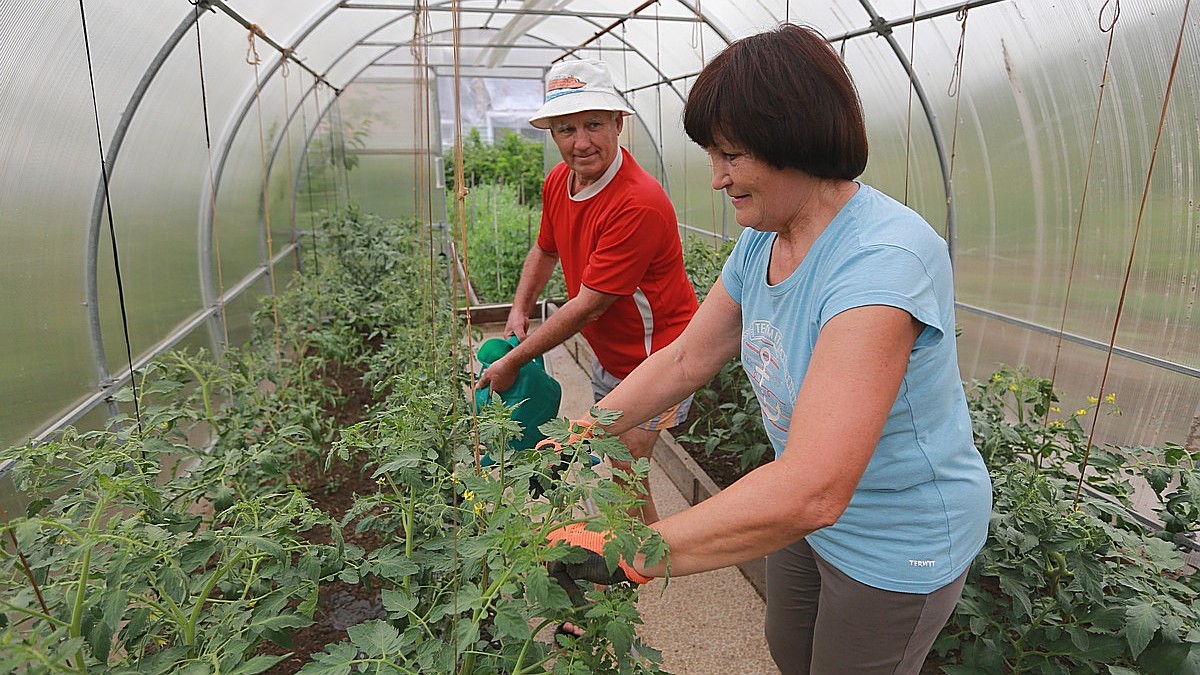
(479,508)
(1111,398)
(469,496)
(1080,412)
(1092,399)
(1055,409)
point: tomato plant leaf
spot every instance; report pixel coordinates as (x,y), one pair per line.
(376,639)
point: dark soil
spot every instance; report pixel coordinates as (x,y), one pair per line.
(722,467)
(341,605)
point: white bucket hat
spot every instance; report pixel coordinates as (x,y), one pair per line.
(575,86)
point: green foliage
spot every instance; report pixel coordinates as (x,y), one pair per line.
(119,570)
(703,262)
(143,553)
(500,232)
(726,418)
(1070,582)
(464,573)
(513,161)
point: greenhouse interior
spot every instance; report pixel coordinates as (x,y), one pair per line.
(253,251)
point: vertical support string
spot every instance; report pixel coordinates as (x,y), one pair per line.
(460,215)
(287,139)
(312,207)
(253,59)
(1087,174)
(112,230)
(1162,121)
(212,184)
(424,187)
(954,90)
(460,219)
(319,120)
(912,70)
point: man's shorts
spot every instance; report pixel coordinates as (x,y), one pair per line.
(604,382)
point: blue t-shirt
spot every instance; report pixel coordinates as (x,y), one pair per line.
(919,515)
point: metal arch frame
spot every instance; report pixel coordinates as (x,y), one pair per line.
(105,379)
(400,45)
(883,28)
(628,47)
(205,253)
(407,11)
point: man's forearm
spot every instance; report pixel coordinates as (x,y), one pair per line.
(535,273)
(557,329)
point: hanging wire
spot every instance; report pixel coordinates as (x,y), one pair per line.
(319,120)
(253,59)
(954,90)
(112,230)
(212,183)
(343,164)
(460,219)
(1162,121)
(1087,175)
(460,213)
(312,207)
(658,93)
(421,123)
(912,70)
(287,131)
(625,67)
(333,166)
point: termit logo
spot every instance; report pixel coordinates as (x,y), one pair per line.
(922,563)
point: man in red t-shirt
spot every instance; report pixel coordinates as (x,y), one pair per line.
(613,228)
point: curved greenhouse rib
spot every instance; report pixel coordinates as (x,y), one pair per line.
(884,29)
(105,380)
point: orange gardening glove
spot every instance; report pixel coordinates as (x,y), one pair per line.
(594,568)
(555,462)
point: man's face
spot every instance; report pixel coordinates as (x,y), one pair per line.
(588,141)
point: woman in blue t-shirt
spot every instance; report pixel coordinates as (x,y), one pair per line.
(839,301)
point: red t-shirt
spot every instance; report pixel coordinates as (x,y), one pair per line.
(621,240)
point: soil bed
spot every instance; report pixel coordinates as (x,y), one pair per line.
(341,605)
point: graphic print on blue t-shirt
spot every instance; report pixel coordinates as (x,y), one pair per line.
(765,361)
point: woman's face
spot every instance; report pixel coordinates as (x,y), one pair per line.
(764,198)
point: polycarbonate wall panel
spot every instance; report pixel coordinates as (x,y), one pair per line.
(393,175)
(155,184)
(1031,85)
(49,163)
(49,175)
(1157,405)
(903,157)
(332,43)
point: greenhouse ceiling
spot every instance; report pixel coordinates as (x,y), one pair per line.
(155,157)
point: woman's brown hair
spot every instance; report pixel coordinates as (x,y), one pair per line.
(785,97)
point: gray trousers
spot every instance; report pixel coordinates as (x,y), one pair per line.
(822,622)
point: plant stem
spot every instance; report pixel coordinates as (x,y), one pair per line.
(76,629)
(189,629)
